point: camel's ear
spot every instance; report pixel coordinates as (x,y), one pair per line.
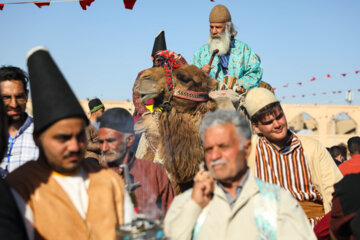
(213,83)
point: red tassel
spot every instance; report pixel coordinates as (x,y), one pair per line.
(328,75)
(2,6)
(85,3)
(343,74)
(313,79)
(357,71)
(300,83)
(40,4)
(129,4)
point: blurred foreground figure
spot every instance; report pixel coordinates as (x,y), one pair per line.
(59,195)
(11,223)
(345,212)
(146,181)
(14,94)
(299,164)
(228,202)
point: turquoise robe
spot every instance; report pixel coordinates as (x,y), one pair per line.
(244,65)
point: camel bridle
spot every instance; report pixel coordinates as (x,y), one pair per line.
(166,59)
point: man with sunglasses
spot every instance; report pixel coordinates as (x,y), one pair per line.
(14,93)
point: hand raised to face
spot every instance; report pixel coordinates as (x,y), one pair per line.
(203,188)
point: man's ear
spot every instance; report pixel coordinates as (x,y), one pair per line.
(130,140)
(256,127)
(36,137)
(27,94)
(247,148)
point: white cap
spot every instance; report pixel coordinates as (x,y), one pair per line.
(258,98)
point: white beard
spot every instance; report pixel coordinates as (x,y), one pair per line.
(222,43)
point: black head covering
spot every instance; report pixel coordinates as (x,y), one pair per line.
(118,119)
(95,104)
(52,97)
(159,43)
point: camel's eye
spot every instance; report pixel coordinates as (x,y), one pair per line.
(183,77)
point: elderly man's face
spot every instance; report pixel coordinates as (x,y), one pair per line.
(225,153)
(216,29)
(113,143)
(14,97)
(63,144)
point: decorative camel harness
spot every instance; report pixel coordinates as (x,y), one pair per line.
(166,59)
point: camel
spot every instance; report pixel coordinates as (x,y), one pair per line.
(171,131)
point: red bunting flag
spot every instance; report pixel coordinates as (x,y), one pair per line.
(300,83)
(2,6)
(129,4)
(357,71)
(343,74)
(328,75)
(286,85)
(40,4)
(274,89)
(85,3)
(313,79)
(303,95)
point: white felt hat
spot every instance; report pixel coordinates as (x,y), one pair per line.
(258,98)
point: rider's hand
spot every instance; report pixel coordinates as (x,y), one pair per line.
(206,68)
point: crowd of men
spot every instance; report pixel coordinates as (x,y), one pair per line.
(68,176)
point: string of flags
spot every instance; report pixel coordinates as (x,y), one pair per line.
(129,4)
(317,94)
(327,76)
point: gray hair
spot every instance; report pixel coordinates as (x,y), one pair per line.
(221,117)
(231,28)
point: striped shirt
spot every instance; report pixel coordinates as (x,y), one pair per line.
(21,148)
(287,167)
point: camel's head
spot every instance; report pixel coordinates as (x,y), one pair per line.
(189,81)
(152,84)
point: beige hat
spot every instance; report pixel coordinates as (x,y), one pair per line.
(258,98)
(219,14)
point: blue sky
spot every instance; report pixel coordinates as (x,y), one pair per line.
(101,50)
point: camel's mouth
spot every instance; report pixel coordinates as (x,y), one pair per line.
(144,97)
(148,89)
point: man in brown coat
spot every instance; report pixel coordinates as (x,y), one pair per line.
(60,196)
